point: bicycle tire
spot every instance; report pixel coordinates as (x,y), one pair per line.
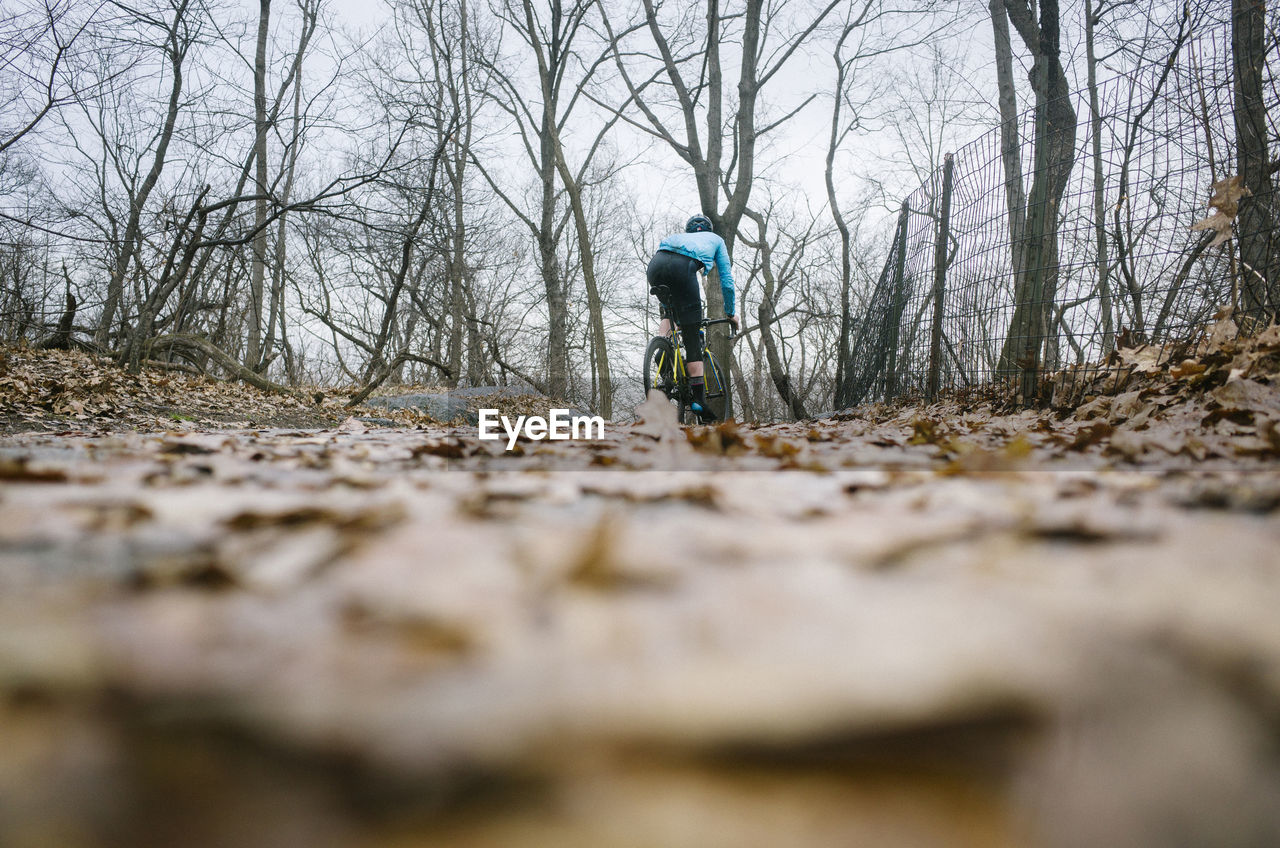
(659,360)
(717,385)
(659,375)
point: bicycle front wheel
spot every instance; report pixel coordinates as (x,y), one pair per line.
(717,382)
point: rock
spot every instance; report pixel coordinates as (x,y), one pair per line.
(492,391)
(446,408)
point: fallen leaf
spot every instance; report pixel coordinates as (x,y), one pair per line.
(19,470)
(1248,396)
(352,425)
(657,417)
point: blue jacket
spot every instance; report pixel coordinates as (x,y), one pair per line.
(708,248)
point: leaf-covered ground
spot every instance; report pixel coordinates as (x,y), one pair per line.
(907,626)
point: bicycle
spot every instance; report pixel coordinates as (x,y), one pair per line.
(664,370)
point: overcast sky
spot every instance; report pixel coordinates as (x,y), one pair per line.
(795,154)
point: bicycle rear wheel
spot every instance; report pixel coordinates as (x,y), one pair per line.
(659,367)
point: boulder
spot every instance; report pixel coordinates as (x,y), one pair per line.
(446,408)
(472,392)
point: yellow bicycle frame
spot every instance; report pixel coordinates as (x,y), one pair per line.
(679,371)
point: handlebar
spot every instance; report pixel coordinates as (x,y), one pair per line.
(707,322)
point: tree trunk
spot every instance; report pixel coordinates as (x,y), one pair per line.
(61,337)
(1099,181)
(842,226)
(1259,246)
(599,349)
(557,295)
(460,92)
(1010,139)
(276,314)
(257,274)
(777,369)
(477,367)
(1055,156)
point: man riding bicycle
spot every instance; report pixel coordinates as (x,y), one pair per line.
(675,268)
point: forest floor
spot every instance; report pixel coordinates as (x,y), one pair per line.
(229,619)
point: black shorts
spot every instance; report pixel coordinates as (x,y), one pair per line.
(679,274)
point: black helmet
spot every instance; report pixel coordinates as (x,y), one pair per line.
(698,224)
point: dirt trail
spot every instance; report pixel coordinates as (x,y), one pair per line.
(908,628)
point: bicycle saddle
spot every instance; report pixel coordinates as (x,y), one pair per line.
(661,292)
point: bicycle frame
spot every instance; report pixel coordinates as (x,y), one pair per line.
(673,336)
(679,391)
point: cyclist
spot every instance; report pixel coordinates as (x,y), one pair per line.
(676,265)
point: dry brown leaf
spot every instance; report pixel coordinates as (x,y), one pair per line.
(352,425)
(1220,224)
(19,470)
(1143,359)
(1093,523)
(724,439)
(413,630)
(776,446)
(1248,396)
(1226,205)
(1269,432)
(657,417)
(1091,435)
(1227,193)
(599,564)
(1187,368)
(371,518)
(1130,405)
(453,448)
(1223,331)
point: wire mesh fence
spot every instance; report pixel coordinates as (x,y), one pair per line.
(1122,266)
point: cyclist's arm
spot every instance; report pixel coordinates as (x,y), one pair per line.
(726,278)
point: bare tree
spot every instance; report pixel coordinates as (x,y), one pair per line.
(776,277)
(176,34)
(545,122)
(1036,284)
(1092,15)
(690,70)
(253,346)
(1259,246)
(1010,137)
(540,120)
(846,55)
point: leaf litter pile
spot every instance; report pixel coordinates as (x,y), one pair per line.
(944,625)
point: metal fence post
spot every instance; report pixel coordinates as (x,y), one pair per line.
(940,277)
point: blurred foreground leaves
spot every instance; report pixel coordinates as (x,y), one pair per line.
(945,625)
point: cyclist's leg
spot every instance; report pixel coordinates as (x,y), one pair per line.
(687,301)
(665,274)
(679,275)
(691,333)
